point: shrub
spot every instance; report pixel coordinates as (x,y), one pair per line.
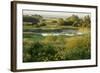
(42,24)
(40,52)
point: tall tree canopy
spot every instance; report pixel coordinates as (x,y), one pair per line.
(34,19)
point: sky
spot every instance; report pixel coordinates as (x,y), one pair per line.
(54,14)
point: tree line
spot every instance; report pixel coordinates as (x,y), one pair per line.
(73,20)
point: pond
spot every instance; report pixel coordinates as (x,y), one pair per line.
(54,32)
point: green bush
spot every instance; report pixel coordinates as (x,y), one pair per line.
(42,24)
(39,52)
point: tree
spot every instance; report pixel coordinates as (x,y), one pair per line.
(37,16)
(73,20)
(87,21)
(34,19)
(61,21)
